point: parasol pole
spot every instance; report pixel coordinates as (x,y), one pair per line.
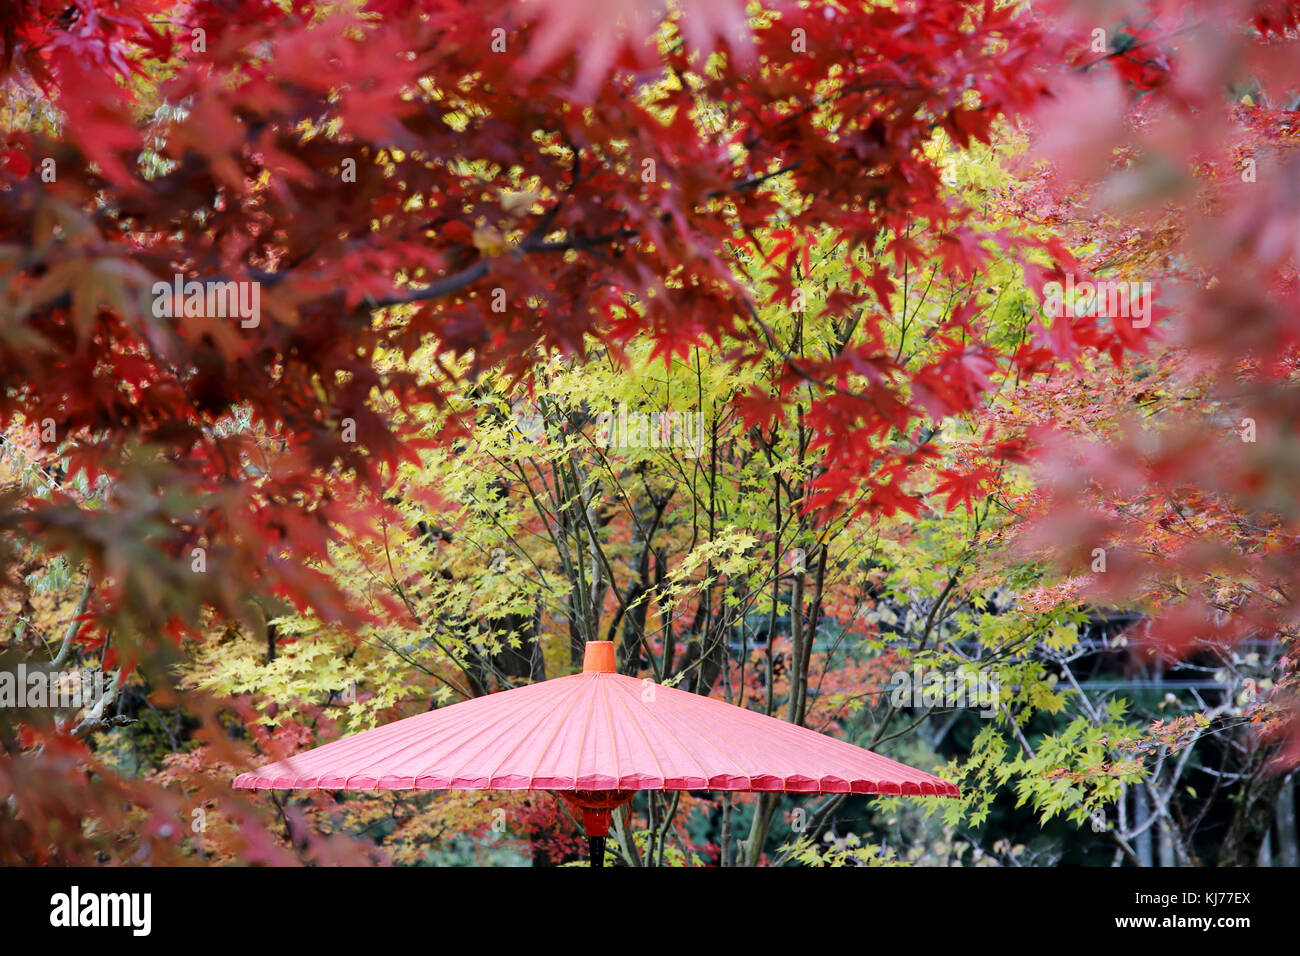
(598,656)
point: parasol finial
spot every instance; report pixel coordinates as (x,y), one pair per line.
(599,658)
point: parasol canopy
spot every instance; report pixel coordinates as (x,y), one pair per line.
(595,737)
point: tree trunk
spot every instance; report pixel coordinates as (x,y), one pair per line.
(1288,847)
(1251,822)
(1142,813)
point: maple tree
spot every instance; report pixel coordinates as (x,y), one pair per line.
(1178,483)
(317,505)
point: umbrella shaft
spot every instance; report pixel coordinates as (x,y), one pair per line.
(596,850)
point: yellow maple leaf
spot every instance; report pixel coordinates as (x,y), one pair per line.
(488,241)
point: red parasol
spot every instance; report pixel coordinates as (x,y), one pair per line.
(595,737)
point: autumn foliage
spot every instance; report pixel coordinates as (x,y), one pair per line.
(446,208)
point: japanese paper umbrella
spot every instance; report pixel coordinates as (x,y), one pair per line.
(594,738)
